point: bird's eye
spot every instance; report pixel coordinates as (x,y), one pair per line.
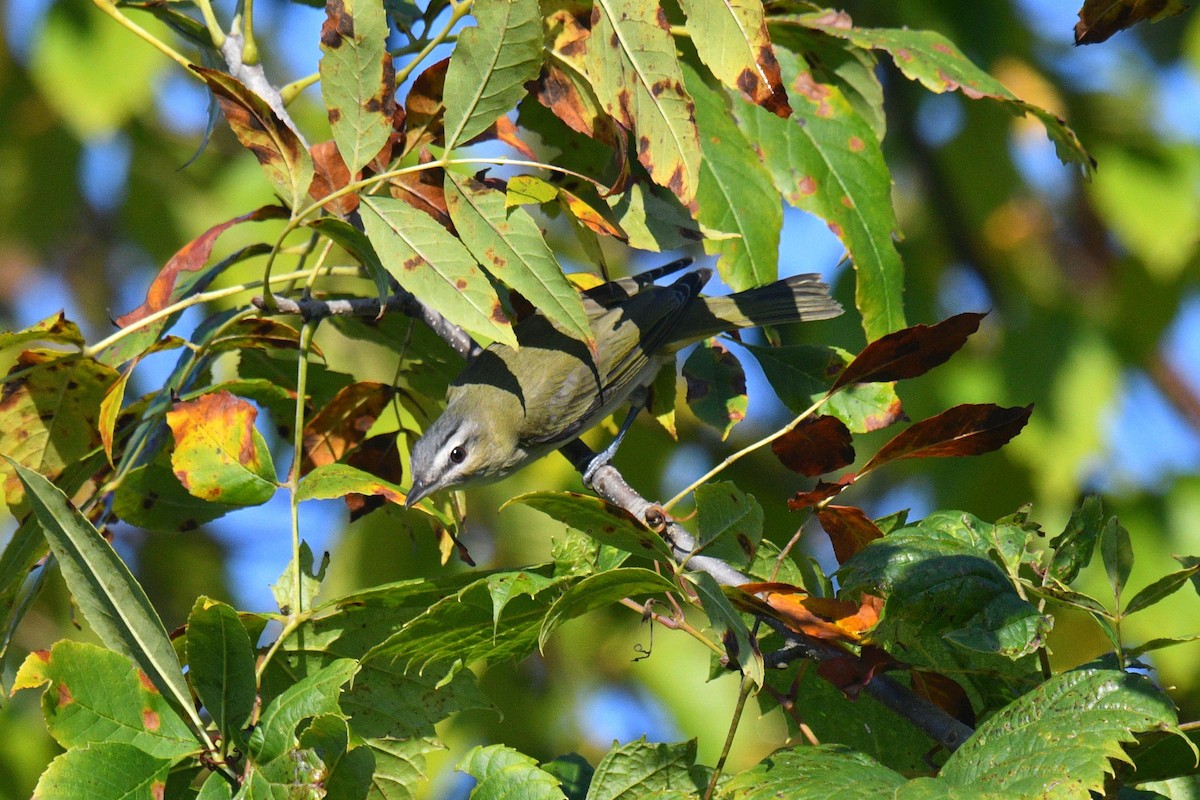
(458,455)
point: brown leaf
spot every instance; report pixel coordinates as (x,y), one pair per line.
(380,456)
(343,423)
(504,130)
(822,491)
(850,674)
(590,216)
(910,352)
(966,430)
(825,618)
(945,693)
(395,144)
(192,257)
(424,107)
(815,446)
(330,173)
(423,190)
(1100,19)
(849,529)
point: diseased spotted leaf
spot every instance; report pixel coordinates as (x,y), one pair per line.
(966,430)
(358,81)
(827,160)
(343,423)
(730,523)
(716,386)
(509,244)
(910,352)
(816,446)
(219,455)
(277,147)
(732,41)
(849,529)
(631,62)
(424,107)
(330,175)
(489,68)
(151,497)
(563,86)
(55,328)
(1100,19)
(428,261)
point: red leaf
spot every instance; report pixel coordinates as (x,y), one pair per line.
(331,174)
(816,446)
(966,430)
(849,529)
(822,491)
(910,352)
(192,257)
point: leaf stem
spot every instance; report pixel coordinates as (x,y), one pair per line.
(743,693)
(306,336)
(249,46)
(459,11)
(111,9)
(210,21)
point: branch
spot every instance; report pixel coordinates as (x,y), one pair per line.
(310,308)
(612,486)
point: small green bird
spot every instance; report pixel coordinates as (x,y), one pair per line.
(510,407)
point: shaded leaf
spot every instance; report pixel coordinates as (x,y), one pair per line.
(330,175)
(338,480)
(355,242)
(300,582)
(730,523)
(606,523)
(277,147)
(574,774)
(95,696)
(489,68)
(429,262)
(598,591)
(563,86)
(1073,548)
(849,529)
(151,497)
(821,492)
(1159,644)
(343,423)
(258,332)
(221,665)
(740,645)
(732,41)
(1100,19)
(510,246)
(1117,553)
(1188,562)
(966,430)
(378,456)
(424,109)
(910,352)
(219,455)
(631,62)
(815,446)
(358,81)
(311,696)
(185,271)
(716,386)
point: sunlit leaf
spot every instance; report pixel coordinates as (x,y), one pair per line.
(605,523)
(310,696)
(105,771)
(732,41)
(910,352)
(502,773)
(55,328)
(730,523)
(598,591)
(966,430)
(219,455)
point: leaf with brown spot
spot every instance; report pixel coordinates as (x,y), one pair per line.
(563,86)
(731,38)
(219,455)
(1100,19)
(816,446)
(151,497)
(50,414)
(277,147)
(966,430)
(423,190)
(343,423)
(55,328)
(378,456)
(716,386)
(510,246)
(424,108)
(358,80)
(330,175)
(910,352)
(631,62)
(258,333)
(185,271)
(849,529)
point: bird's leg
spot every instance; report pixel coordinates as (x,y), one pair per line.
(637,401)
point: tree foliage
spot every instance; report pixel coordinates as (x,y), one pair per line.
(458,157)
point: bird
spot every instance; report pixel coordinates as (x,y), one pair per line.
(511,406)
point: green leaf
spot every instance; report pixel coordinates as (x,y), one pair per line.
(726,619)
(735,192)
(1159,644)
(574,774)
(505,586)
(219,455)
(1117,553)
(285,589)
(630,60)
(510,246)
(730,523)
(605,523)
(1161,588)
(933,60)
(802,374)
(639,768)
(399,767)
(1088,714)
(215,787)
(104,771)
(814,773)
(111,599)
(506,774)
(97,696)
(716,386)
(731,39)
(311,696)
(358,81)
(827,160)
(490,65)
(1073,548)
(356,243)
(598,591)
(277,147)
(152,497)
(221,665)
(55,328)
(427,261)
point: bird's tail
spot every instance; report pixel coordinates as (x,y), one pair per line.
(800,298)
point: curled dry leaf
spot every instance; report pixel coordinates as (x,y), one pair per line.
(966,430)
(849,529)
(816,446)
(910,352)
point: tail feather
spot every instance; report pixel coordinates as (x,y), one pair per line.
(800,298)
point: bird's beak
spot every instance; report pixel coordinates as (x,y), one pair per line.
(419,491)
